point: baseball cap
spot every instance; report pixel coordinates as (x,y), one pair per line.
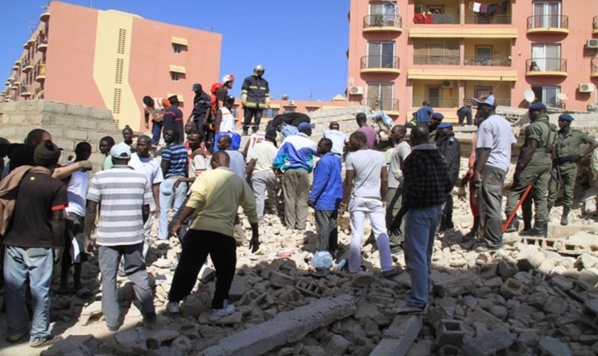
(334,125)
(445,125)
(121,151)
(566,117)
(304,126)
(437,116)
(537,107)
(488,101)
(196,87)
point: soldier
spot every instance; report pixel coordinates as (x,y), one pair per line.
(565,170)
(534,162)
(435,120)
(450,149)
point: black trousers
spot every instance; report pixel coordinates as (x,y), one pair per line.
(197,245)
(250,113)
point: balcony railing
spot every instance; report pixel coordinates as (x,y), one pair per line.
(490,20)
(438,19)
(380,62)
(594,65)
(495,61)
(451,102)
(547,21)
(546,65)
(380,20)
(595,24)
(384,104)
(436,60)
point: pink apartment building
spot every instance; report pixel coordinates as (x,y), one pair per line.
(404,52)
(111,59)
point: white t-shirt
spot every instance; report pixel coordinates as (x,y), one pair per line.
(237,163)
(151,168)
(228,120)
(338,140)
(495,133)
(77,192)
(254,139)
(399,154)
(367,165)
(264,153)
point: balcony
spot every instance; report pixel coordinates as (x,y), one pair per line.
(42,47)
(15,67)
(594,72)
(548,24)
(389,105)
(476,19)
(442,102)
(494,61)
(382,23)
(595,26)
(380,64)
(546,67)
(27,68)
(437,19)
(44,17)
(436,60)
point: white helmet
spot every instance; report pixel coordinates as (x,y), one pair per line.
(259,68)
(228,78)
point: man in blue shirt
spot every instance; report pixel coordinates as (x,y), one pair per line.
(326,195)
(201,104)
(173,117)
(174,166)
(424,113)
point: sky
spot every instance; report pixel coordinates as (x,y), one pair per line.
(301,43)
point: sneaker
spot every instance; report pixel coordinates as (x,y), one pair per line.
(392,272)
(412,310)
(16,337)
(217,314)
(173,307)
(43,341)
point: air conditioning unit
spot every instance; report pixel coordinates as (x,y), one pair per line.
(291,102)
(447,84)
(592,43)
(356,91)
(586,87)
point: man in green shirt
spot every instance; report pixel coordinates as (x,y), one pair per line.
(568,141)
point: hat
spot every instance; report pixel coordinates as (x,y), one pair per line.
(271,134)
(121,151)
(304,126)
(566,117)
(173,97)
(334,125)
(537,107)
(46,154)
(488,101)
(437,116)
(445,125)
(228,78)
(196,87)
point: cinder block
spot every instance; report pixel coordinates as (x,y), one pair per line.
(550,346)
(496,342)
(449,350)
(74,134)
(108,126)
(561,283)
(53,107)
(78,110)
(87,123)
(589,313)
(512,288)
(102,114)
(449,332)
(457,286)
(399,336)
(25,105)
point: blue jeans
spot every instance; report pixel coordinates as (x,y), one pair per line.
(156,133)
(420,228)
(35,263)
(167,198)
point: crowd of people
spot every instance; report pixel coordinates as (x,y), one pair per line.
(53,213)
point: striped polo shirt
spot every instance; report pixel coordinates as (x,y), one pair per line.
(176,153)
(121,193)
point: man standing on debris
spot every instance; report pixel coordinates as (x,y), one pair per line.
(424,113)
(426,183)
(370,133)
(262,175)
(339,139)
(326,195)
(201,105)
(394,193)
(450,149)
(155,107)
(568,141)
(33,241)
(255,94)
(365,185)
(123,196)
(464,112)
(534,162)
(215,198)
(173,117)
(493,156)
(295,160)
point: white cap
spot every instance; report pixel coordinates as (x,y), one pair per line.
(121,151)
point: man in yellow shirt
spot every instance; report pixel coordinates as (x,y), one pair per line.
(215,198)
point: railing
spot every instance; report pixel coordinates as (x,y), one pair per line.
(380,20)
(485,61)
(451,102)
(490,20)
(382,62)
(546,65)
(384,104)
(548,21)
(438,19)
(436,60)
(498,102)
(594,65)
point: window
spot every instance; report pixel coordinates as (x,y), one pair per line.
(380,96)
(436,51)
(174,76)
(312,108)
(381,55)
(548,95)
(286,111)
(547,56)
(546,14)
(483,54)
(481,91)
(177,48)
(388,10)
(269,112)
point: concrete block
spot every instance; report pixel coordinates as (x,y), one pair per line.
(491,343)
(449,332)
(589,313)
(530,258)
(108,126)
(363,279)
(286,327)
(550,346)
(399,336)
(449,350)
(589,276)
(239,287)
(86,123)
(131,342)
(582,291)
(555,305)
(512,288)
(74,345)
(76,134)
(53,107)
(279,279)
(337,345)
(505,269)
(457,286)
(78,110)
(570,331)
(161,338)
(100,113)
(26,105)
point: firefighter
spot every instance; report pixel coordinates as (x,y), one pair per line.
(255,97)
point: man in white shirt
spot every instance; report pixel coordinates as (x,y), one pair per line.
(339,139)
(262,175)
(395,177)
(143,162)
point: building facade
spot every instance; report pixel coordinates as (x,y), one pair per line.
(111,59)
(404,52)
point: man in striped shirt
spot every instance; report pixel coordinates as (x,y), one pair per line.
(123,196)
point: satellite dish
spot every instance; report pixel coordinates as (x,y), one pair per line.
(529,96)
(562,97)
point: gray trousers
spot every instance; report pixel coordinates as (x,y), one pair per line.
(262,182)
(394,198)
(490,205)
(327,230)
(134,270)
(295,185)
